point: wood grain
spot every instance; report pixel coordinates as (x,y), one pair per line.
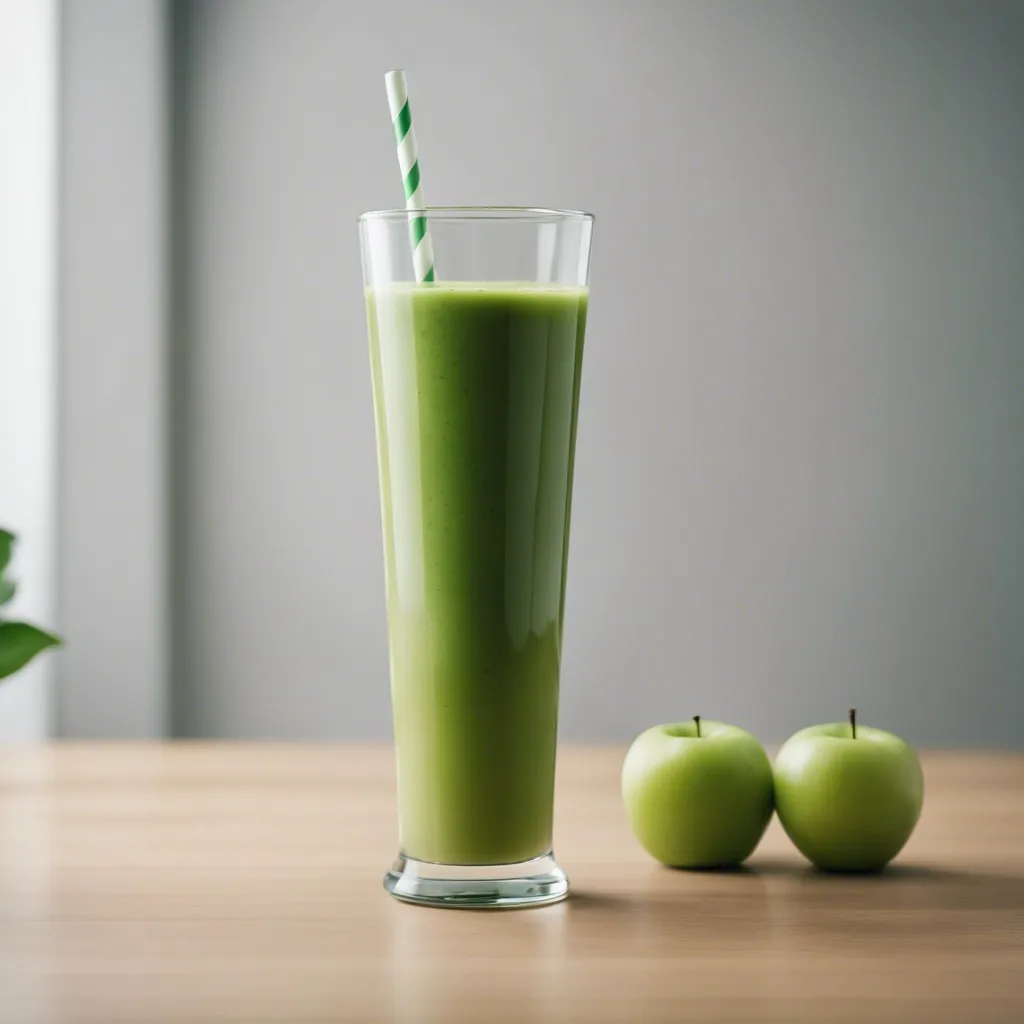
(152,883)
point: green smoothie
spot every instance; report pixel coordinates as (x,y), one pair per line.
(476,390)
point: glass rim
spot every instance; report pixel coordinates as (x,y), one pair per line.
(471,213)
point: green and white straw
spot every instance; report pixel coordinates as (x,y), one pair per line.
(408,161)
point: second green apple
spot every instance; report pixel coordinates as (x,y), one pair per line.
(847,795)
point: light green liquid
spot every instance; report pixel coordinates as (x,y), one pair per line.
(476,390)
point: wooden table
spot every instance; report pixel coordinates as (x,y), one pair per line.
(209,883)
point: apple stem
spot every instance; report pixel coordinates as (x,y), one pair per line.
(853,723)
(696,719)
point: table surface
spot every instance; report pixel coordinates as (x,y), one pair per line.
(200,883)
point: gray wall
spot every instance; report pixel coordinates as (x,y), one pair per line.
(112,587)
(800,472)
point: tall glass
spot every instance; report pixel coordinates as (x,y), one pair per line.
(476,383)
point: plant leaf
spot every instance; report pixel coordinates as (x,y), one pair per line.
(20,643)
(7,589)
(6,544)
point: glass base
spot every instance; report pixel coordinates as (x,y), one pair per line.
(529,883)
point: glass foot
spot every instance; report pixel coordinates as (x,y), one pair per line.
(529,883)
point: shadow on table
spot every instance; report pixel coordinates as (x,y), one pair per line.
(784,906)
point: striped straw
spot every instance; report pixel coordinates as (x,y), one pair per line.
(408,161)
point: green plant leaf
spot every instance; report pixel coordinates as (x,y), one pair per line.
(7,589)
(6,544)
(20,643)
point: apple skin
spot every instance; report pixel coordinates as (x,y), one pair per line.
(848,804)
(697,802)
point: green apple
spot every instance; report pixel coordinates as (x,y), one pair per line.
(697,794)
(848,796)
